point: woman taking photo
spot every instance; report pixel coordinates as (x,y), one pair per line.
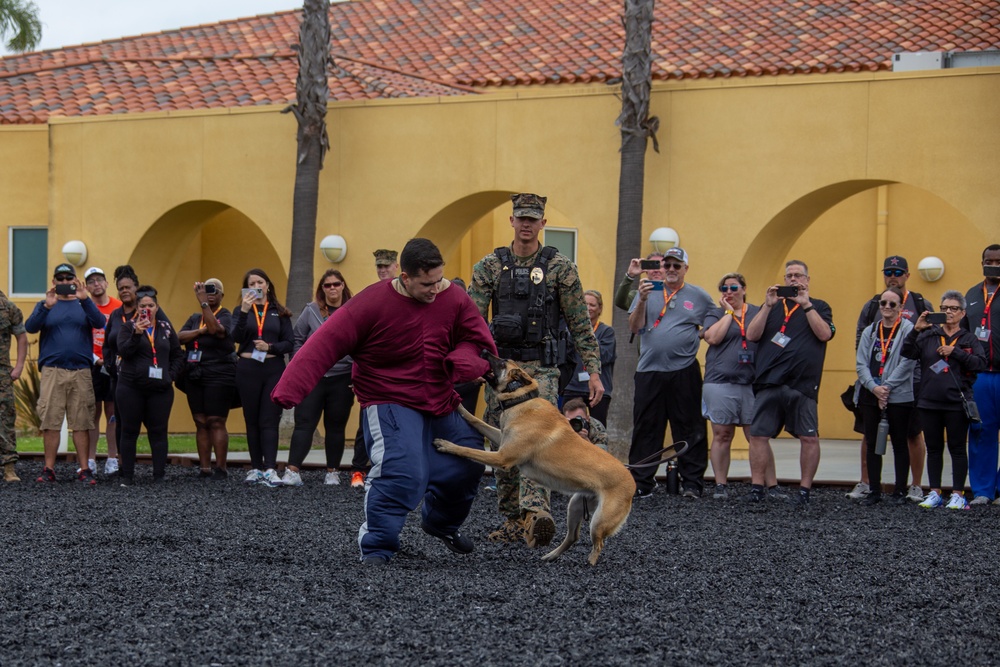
(885,387)
(949,358)
(209,375)
(577,387)
(332,396)
(262,329)
(151,358)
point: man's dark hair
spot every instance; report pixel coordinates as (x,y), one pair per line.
(990,248)
(575,403)
(419,255)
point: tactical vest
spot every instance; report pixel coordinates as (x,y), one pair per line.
(525,321)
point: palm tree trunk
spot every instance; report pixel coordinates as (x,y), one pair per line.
(312,93)
(636,127)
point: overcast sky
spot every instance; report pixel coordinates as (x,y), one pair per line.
(71,22)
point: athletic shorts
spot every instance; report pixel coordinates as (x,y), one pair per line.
(727,403)
(69,394)
(780,408)
(211,400)
(102,384)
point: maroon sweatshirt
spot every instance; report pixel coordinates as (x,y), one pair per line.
(405,351)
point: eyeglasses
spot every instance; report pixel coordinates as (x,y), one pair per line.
(888,304)
(333,284)
(729,288)
(951,309)
(894,273)
(673,265)
(793,276)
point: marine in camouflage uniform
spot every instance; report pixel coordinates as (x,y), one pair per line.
(521,500)
(11,324)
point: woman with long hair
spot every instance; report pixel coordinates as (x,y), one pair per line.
(332,396)
(262,329)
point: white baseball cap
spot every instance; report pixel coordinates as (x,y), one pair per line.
(93,271)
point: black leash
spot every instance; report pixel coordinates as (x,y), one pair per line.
(656,460)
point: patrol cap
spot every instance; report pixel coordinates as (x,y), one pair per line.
(895,262)
(384,257)
(676,253)
(93,271)
(64,269)
(527,205)
(217,283)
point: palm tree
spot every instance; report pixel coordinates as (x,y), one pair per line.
(19,20)
(312,92)
(636,127)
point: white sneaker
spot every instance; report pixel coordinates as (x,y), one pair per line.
(291,478)
(253,477)
(915,494)
(332,478)
(932,499)
(980,500)
(271,478)
(957,502)
(92,464)
(110,466)
(861,490)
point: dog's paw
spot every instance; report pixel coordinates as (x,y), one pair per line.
(443,445)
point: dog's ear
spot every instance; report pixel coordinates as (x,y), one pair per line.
(519,374)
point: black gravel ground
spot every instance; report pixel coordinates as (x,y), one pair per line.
(212,573)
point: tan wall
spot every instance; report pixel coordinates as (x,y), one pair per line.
(751,172)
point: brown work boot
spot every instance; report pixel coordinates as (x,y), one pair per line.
(511,532)
(539,529)
(8,473)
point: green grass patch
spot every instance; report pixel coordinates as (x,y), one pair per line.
(179,444)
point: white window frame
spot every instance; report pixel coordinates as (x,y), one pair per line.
(10,262)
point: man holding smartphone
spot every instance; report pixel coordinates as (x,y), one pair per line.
(982,317)
(792,329)
(65,320)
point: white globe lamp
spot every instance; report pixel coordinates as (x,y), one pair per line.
(334,248)
(664,238)
(931,269)
(75,252)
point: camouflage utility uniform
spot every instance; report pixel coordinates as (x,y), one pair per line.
(11,324)
(597,434)
(518,495)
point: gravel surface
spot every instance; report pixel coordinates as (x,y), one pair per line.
(194,572)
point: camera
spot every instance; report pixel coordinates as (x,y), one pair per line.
(579,424)
(210,288)
(788,291)
(650,264)
(65,289)
(937,318)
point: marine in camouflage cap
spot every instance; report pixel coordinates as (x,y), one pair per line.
(386,265)
(11,325)
(527,205)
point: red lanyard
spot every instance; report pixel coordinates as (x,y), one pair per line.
(202,323)
(666,302)
(988,302)
(260,320)
(788,314)
(740,322)
(151,335)
(884,342)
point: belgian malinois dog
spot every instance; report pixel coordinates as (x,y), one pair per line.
(535,437)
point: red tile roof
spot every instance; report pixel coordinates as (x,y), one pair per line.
(399,48)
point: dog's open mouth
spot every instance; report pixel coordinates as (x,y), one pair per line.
(490,377)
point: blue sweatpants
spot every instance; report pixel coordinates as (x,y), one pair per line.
(406,468)
(984,478)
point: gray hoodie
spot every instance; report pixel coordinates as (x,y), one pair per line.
(898,371)
(309,321)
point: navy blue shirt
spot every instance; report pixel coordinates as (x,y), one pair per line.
(67,333)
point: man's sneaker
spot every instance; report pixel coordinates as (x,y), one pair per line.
(125,480)
(374,561)
(110,466)
(219,475)
(539,529)
(511,532)
(933,499)
(980,500)
(915,494)
(48,475)
(270,478)
(721,492)
(802,498)
(253,477)
(332,478)
(690,493)
(897,498)
(358,480)
(776,493)
(756,495)
(291,478)
(957,502)
(92,464)
(859,491)
(644,493)
(87,477)
(457,542)
(872,499)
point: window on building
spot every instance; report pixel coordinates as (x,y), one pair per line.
(28,261)
(563,239)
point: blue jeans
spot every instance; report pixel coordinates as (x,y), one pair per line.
(983,475)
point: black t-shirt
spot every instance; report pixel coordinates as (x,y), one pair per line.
(213,348)
(799,364)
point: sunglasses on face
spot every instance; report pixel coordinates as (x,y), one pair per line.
(673,265)
(333,284)
(894,273)
(888,304)
(729,288)
(65,279)
(951,309)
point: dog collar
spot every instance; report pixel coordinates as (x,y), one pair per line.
(520,399)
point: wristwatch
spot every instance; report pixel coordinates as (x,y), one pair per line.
(729,312)
(204,304)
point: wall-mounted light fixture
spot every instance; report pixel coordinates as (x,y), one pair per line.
(334,248)
(75,253)
(931,268)
(664,238)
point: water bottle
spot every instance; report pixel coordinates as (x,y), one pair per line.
(883,435)
(673,486)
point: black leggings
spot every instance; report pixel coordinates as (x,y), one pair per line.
(139,407)
(936,423)
(899,422)
(255,381)
(334,398)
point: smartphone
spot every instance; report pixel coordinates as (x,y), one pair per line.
(210,288)
(991,271)
(256,291)
(937,318)
(788,291)
(144,313)
(65,289)
(657,284)
(650,264)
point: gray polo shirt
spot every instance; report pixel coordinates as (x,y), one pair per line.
(722,363)
(672,344)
